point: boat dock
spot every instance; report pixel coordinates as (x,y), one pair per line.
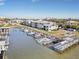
(4,40)
(68,41)
(61,46)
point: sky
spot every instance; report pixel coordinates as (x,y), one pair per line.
(40,8)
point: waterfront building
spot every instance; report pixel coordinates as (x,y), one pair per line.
(43,25)
(50,26)
(28,22)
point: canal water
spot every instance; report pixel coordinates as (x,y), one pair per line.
(25,47)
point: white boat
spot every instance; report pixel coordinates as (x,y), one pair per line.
(26,30)
(30,33)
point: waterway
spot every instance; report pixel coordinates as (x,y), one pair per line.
(25,47)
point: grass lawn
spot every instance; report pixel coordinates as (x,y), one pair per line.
(58,33)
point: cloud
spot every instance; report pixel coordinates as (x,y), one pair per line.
(35,0)
(2,2)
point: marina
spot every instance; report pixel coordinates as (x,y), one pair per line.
(54,43)
(48,42)
(39,29)
(28,48)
